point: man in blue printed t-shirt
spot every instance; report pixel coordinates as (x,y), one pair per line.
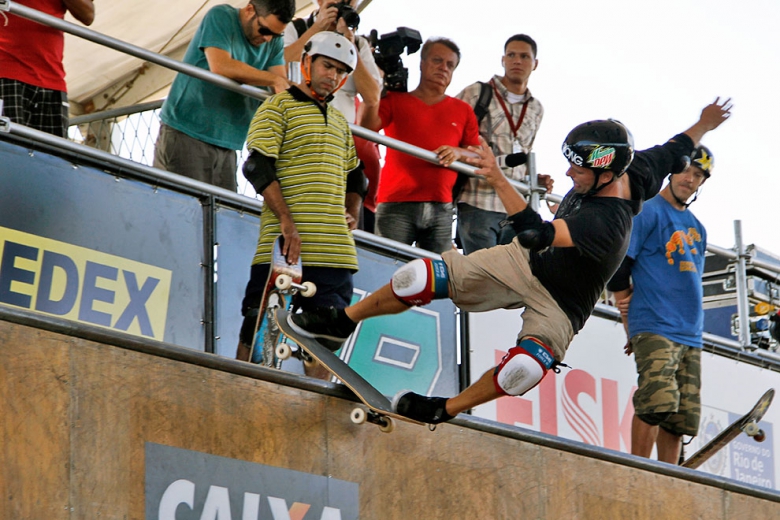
(658,289)
(202,124)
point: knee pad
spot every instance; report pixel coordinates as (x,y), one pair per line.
(654,419)
(246,336)
(420,281)
(523,367)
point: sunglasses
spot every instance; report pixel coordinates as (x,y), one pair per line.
(265,31)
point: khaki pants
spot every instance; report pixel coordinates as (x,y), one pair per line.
(501,278)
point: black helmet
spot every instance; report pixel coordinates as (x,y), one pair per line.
(702,158)
(603,145)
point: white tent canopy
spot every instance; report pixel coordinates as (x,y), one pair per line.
(100,78)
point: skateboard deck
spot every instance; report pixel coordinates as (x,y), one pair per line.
(379,406)
(748,423)
(283,281)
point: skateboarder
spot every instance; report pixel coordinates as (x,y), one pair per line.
(303,162)
(556,270)
(659,292)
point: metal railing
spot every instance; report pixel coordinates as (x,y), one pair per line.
(128,147)
(248,90)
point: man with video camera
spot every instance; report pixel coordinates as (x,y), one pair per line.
(415,196)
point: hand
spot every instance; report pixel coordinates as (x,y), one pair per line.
(485,161)
(326,18)
(280,84)
(292,242)
(447,154)
(352,222)
(627,349)
(346,32)
(714,114)
(545,181)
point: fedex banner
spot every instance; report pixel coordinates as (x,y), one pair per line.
(83,244)
(80,284)
(591,401)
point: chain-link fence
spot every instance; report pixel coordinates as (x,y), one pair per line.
(131,133)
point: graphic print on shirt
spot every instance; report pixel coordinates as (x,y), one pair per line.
(677,243)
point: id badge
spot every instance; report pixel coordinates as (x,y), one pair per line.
(516,146)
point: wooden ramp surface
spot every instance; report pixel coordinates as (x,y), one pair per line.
(77,415)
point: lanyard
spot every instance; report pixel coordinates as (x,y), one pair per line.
(512,126)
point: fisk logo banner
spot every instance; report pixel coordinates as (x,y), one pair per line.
(84,285)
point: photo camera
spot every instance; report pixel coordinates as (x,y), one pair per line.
(348,13)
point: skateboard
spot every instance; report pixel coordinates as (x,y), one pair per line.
(284,280)
(748,423)
(379,408)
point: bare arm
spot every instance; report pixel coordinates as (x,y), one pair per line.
(512,200)
(222,63)
(712,116)
(370,117)
(352,204)
(82,10)
(623,300)
(368,82)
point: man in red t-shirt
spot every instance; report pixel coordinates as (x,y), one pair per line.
(415,196)
(32,78)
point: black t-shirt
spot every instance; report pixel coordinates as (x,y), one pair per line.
(600,228)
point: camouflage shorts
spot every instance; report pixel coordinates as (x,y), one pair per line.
(669,381)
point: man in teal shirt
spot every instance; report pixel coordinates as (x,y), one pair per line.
(202,124)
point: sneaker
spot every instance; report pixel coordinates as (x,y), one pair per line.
(430,410)
(323,323)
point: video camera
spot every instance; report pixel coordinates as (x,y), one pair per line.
(387,55)
(348,13)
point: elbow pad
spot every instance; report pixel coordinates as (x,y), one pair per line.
(356,182)
(532,232)
(260,171)
(683,152)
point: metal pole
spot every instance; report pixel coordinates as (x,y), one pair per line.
(743,312)
(115,112)
(533,183)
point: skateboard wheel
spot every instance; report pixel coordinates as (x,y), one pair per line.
(358,416)
(752,429)
(760,436)
(308,289)
(283,351)
(386,425)
(283,282)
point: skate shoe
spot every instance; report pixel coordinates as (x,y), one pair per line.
(430,410)
(330,326)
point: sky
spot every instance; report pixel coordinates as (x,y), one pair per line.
(652,65)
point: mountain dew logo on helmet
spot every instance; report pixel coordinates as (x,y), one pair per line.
(601,157)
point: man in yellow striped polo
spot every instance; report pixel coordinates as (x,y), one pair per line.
(303,162)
